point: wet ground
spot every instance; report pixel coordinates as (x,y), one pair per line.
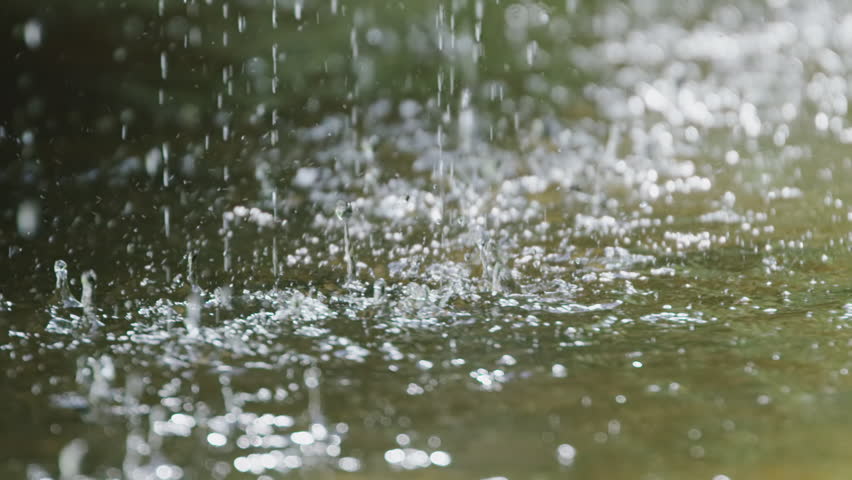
(461,239)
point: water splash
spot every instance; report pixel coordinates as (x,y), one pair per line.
(343,211)
(192,320)
(71,459)
(60,268)
(88,279)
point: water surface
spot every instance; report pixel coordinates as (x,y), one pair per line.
(461,239)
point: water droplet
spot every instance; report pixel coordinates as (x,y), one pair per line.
(193,315)
(33,33)
(71,457)
(565,453)
(88,281)
(29,215)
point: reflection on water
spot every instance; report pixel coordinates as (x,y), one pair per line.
(459,239)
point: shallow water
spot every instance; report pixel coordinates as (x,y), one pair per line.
(426,240)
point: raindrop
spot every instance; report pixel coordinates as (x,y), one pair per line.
(466,122)
(190,257)
(565,453)
(274,13)
(227,233)
(532,50)
(379,289)
(164,66)
(152,161)
(167,221)
(217,439)
(312,382)
(28,217)
(275,269)
(33,34)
